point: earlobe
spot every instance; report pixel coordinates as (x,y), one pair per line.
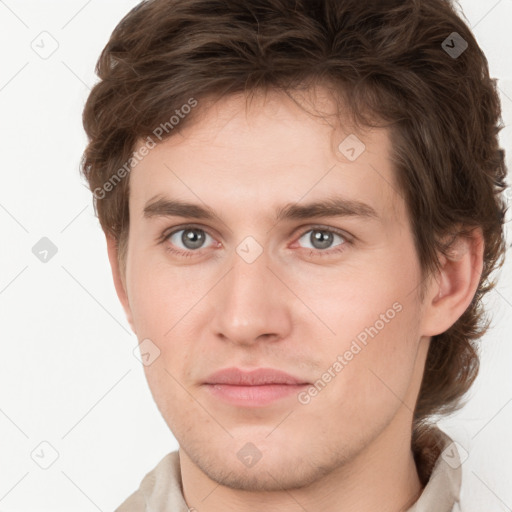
(119,281)
(454,287)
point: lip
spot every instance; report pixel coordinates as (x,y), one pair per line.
(253,388)
(258,377)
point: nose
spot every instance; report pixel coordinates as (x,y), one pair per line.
(251,303)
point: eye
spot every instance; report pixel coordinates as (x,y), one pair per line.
(187,241)
(322,238)
(191,239)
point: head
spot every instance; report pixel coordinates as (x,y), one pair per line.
(254,109)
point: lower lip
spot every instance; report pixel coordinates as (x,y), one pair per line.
(253,396)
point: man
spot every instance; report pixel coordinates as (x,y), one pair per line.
(302,212)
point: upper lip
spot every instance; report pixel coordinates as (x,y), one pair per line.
(258,377)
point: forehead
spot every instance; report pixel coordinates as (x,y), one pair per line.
(268,152)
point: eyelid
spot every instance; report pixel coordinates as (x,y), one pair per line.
(171,231)
(311,227)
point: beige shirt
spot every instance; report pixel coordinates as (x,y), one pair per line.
(161,490)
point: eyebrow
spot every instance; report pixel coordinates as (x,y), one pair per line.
(330,207)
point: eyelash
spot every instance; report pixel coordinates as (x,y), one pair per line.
(316,252)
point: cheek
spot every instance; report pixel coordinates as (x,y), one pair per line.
(160,295)
(354,302)
(177,405)
(378,366)
(372,349)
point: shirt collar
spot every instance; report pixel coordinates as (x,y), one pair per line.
(439,468)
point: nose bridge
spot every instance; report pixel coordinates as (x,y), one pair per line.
(251,300)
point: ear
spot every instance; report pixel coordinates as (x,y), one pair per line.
(453,288)
(119,279)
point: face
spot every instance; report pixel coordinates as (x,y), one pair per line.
(328,296)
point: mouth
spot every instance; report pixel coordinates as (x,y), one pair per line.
(254,388)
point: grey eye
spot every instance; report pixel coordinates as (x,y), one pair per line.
(191,238)
(321,238)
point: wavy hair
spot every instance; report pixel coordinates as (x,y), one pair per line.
(394,61)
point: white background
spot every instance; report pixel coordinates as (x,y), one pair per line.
(67,372)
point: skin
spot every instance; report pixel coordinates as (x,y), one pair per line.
(293,308)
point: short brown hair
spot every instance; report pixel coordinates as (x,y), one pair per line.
(387,60)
